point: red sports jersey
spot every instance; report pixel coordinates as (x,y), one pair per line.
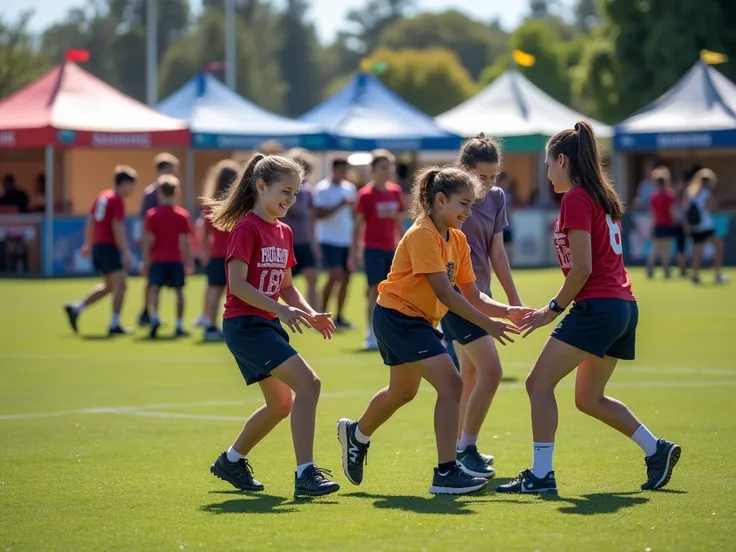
(608,279)
(661,204)
(379,208)
(167,224)
(218,239)
(108,207)
(268,251)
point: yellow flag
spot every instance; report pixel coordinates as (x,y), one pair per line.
(712,58)
(523,59)
(365,65)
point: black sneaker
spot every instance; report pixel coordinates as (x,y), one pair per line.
(527,482)
(155,325)
(314,483)
(73,315)
(119,330)
(181,332)
(144,319)
(342,324)
(661,464)
(354,453)
(213,334)
(472,462)
(239,474)
(456,481)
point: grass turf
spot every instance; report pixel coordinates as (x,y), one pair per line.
(106,443)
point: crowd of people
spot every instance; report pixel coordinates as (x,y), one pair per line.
(265,223)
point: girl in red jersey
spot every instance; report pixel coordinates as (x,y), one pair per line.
(260,255)
(600,328)
(214,248)
(662,207)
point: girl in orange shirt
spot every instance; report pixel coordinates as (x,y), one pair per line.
(432,258)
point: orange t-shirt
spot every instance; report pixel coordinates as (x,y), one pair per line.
(424,251)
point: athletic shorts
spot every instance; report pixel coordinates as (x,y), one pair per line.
(601,327)
(166,274)
(663,232)
(403,339)
(680,238)
(456,328)
(259,345)
(377,265)
(334,256)
(304,258)
(215,270)
(106,258)
(700,237)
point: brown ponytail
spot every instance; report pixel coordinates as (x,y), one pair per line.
(480,149)
(434,180)
(241,197)
(219,178)
(586,170)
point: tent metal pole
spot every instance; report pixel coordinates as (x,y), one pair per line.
(151,52)
(48,227)
(231,62)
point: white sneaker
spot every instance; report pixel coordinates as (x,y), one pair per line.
(370,343)
(201,322)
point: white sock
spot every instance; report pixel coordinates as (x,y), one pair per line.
(301,467)
(542,458)
(78,306)
(115,320)
(466,440)
(205,320)
(644,438)
(233,455)
(179,324)
(360,437)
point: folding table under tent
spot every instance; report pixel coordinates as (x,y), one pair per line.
(366,115)
(69,108)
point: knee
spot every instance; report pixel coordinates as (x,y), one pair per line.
(310,387)
(281,408)
(490,377)
(452,387)
(533,384)
(586,404)
(402,395)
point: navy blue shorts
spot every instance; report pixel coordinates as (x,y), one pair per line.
(106,258)
(403,339)
(216,273)
(334,256)
(601,327)
(377,265)
(259,345)
(456,328)
(166,274)
(304,258)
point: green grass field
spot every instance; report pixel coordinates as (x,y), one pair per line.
(106,444)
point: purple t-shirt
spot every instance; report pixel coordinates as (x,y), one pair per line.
(150,198)
(298,216)
(488,217)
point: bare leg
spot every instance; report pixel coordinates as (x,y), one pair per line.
(118,280)
(402,388)
(697,257)
(666,254)
(469,375)
(310,275)
(372,298)
(179,303)
(718,256)
(327,290)
(98,292)
(342,292)
(262,421)
(483,355)
(153,299)
(213,297)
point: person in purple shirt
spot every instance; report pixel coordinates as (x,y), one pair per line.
(479,363)
(166,164)
(300,218)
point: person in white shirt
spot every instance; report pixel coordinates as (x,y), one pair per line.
(333,200)
(698,212)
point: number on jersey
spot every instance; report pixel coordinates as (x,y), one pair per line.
(614,234)
(100,208)
(271,281)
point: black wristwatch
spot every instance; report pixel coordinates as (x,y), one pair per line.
(554,307)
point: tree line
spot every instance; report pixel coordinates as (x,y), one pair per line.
(606,58)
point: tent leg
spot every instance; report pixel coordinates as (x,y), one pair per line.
(48,237)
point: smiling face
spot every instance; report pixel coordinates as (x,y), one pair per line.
(453,210)
(558,172)
(487,173)
(276,199)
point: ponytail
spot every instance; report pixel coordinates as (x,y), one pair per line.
(434,180)
(241,197)
(480,149)
(586,170)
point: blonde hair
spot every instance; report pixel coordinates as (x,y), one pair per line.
(219,178)
(696,182)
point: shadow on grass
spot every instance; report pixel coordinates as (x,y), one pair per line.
(509,379)
(599,503)
(98,337)
(259,503)
(161,337)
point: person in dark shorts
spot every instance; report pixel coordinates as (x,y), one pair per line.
(432,257)
(378,228)
(600,328)
(167,252)
(214,248)
(662,206)
(259,260)
(106,240)
(300,218)
(699,213)
(165,165)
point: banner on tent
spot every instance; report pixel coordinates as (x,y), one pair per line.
(225,141)
(675,140)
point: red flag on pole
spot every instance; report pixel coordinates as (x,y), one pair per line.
(214,65)
(76,55)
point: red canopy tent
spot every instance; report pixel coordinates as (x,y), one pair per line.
(70,108)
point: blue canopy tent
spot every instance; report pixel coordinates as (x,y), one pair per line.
(698,112)
(366,115)
(221,119)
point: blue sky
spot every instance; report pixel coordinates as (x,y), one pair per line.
(328,15)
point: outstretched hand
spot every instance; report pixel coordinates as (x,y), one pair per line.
(322,322)
(515,314)
(294,318)
(536,319)
(498,330)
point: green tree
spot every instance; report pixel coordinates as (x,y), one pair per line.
(433,80)
(475,43)
(20,60)
(298,59)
